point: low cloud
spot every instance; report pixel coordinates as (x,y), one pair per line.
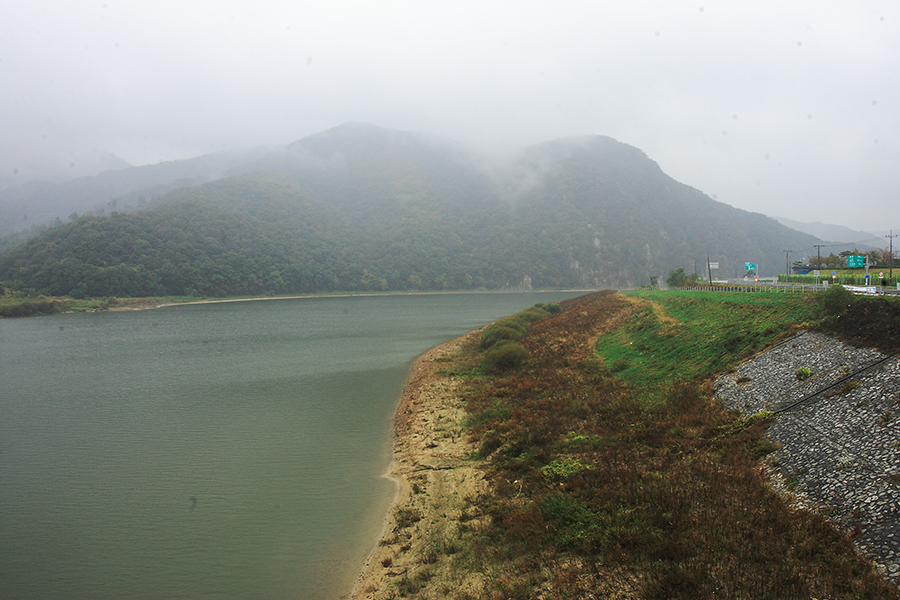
(786,110)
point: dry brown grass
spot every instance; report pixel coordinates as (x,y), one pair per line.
(567,485)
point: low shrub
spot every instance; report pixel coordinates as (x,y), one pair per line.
(530,315)
(506,330)
(836,299)
(550,307)
(407,516)
(496,334)
(562,468)
(505,356)
(803,373)
(515,327)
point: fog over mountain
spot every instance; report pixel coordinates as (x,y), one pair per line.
(778,108)
(363,208)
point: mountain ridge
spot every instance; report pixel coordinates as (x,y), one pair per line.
(389,210)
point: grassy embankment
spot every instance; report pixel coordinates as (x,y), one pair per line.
(613,471)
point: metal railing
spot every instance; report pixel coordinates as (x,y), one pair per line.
(778,287)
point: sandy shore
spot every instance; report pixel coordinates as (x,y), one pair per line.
(436,487)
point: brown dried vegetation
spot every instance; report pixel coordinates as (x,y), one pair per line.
(671,502)
(597,487)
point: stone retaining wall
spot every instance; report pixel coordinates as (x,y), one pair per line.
(840,448)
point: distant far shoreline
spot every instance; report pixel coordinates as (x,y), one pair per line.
(27,306)
(349,295)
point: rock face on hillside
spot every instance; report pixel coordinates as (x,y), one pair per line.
(840,445)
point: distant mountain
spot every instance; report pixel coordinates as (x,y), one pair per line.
(627,220)
(122,188)
(831,233)
(358,207)
(27,169)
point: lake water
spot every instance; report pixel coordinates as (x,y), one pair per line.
(221,451)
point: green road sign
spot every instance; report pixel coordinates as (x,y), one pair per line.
(749,266)
(856,260)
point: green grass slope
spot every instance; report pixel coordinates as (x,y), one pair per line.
(679,336)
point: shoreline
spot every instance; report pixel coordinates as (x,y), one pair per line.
(435,482)
(140,304)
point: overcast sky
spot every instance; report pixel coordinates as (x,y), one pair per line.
(789,108)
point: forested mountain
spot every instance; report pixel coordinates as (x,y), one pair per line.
(363,208)
(624,220)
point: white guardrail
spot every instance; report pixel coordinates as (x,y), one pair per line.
(864,290)
(771,284)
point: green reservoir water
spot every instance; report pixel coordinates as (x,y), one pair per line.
(227,451)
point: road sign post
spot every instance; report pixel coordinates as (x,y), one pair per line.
(749,266)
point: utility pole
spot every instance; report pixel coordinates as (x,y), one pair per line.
(819,254)
(708,269)
(891,261)
(787,261)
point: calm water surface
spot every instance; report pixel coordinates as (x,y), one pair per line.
(213,451)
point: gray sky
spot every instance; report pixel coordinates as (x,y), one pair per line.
(786,108)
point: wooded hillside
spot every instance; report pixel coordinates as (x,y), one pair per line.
(363,208)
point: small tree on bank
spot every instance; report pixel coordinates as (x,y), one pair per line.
(836,299)
(678,278)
